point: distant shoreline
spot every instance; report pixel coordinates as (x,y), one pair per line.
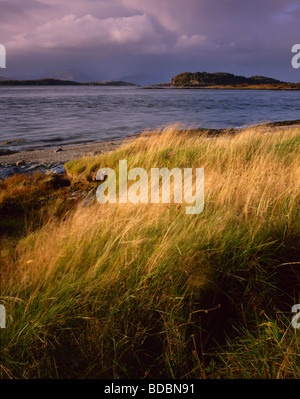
(59,82)
(152,87)
(185,80)
(163,86)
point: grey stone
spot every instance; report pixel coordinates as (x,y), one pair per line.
(32,167)
(58,169)
(6,172)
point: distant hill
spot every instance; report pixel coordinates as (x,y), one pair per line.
(226,80)
(59,82)
(38,82)
(67,74)
(75,76)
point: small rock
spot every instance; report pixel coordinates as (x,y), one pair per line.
(20,163)
(33,167)
(7,172)
(58,169)
(58,150)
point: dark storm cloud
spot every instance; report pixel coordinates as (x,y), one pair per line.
(150,41)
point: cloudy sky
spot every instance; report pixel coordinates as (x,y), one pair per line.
(149,41)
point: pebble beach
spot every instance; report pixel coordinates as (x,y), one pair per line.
(50,160)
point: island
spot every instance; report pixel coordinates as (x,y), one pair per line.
(224,80)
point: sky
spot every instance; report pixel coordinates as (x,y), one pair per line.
(149,41)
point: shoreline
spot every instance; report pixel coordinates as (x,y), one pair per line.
(52,160)
(61,153)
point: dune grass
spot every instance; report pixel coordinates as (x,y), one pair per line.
(144,290)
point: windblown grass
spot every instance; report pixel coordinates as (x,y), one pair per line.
(144,290)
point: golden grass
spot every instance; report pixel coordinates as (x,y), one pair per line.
(129,281)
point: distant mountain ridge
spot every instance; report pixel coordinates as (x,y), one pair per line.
(38,82)
(75,76)
(59,82)
(69,77)
(67,74)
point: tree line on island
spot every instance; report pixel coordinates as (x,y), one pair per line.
(227,80)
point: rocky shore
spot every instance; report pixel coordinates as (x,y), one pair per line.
(50,160)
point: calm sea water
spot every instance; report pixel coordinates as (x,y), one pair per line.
(40,117)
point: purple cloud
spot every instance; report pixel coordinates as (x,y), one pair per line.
(156,39)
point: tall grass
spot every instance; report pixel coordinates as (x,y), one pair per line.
(144,290)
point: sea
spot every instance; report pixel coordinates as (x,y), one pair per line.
(37,117)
